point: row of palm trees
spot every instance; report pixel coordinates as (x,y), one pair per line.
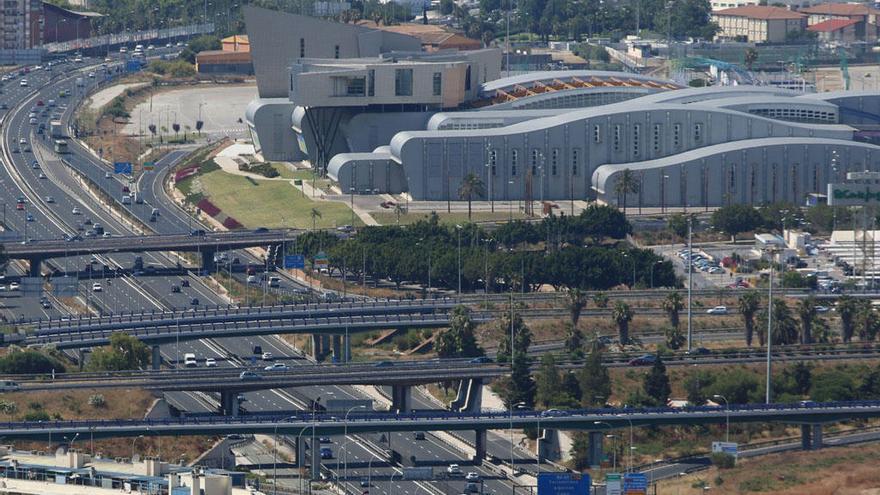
(803,325)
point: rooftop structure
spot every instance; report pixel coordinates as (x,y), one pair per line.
(758,23)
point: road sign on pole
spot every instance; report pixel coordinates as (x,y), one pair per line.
(149,166)
(321,260)
(730,448)
(613,485)
(294,261)
(122,167)
(635,484)
(563,484)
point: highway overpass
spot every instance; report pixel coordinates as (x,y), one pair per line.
(208,244)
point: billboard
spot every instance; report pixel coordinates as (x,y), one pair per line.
(725,448)
(635,484)
(122,168)
(613,484)
(853,194)
(563,484)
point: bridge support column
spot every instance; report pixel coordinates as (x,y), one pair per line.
(811,437)
(480,446)
(157,358)
(325,345)
(81,357)
(346,348)
(208,265)
(316,461)
(301,453)
(229,403)
(337,349)
(401,398)
(316,347)
(595,449)
(34,265)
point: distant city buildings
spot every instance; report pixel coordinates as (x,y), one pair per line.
(233,58)
(758,23)
(21,22)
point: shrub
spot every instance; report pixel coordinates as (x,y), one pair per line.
(208,207)
(29,361)
(97,401)
(232,224)
(36,416)
(722,460)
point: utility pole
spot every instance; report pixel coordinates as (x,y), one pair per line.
(690,282)
(769,328)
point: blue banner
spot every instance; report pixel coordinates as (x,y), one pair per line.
(563,484)
(635,483)
(122,167)
(294,261)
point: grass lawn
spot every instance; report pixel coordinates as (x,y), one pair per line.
(286,173)
(390,218)
(264,203)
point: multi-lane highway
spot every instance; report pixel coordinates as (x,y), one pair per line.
(60,205)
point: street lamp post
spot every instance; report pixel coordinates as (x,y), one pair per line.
(133,441)
(458,231)
(345,435)
(612,437)
(389,483)
(490,173)
(767,391)
(512,406)
(275,455)
(726,415)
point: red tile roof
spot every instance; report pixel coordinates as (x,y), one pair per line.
(841,9)
(760,12)
(831,25)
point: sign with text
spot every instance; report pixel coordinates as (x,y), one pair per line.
(321,260)
(635,484)
(725,448)
(122,167)
(613,484)
(853,194)
(563,484)
(294,261)
(149,166)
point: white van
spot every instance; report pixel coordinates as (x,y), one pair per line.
(189,360)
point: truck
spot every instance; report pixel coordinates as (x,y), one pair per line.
(56,129)
(61,146)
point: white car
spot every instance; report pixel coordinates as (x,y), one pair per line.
(22,141)
(717,310)
(267,356)
(472,476)
(277,367)
(50,199)
(41,175)
(210,363)
(96,287)
(453,469)
(13,286)
(76,211)
(822,309)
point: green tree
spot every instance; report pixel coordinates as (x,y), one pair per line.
(678,224)
(550,385)
(696,386)
(748,308)
(847,308)
(750,58)
(522,336)
(627,183)
(832,385)
(8,408)
(471,185)
(574,342)
(736,385)
(459,340)
(29,362)
(520,388)
(576,301)
(735,219)
(600,299)
(656,383)
(673,305)
(622,314)
(675,338)
(806,310)
(446,6)
(579,451)
(867,321)
(784,327)
(124,353)
(594,379)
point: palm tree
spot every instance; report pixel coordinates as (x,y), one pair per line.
(673,305)
(748,306)
(626,184)
(471,185)
(806,310)
(622,314)
(577,301)
(750,58)
(847,307)
(315,214)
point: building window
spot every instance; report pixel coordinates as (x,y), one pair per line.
(514,160)
(336,52)
(636,137)
(467,79)
(438,83)
(355,86)
(617,137)
(535,154)
(554,161)
(574,161)
(698,133)
(403,82)
(302,48)
(597,134)
(371,86)
(676,135)
(658,132)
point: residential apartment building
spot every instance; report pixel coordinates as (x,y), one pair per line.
(21,22)
(864,19)
(758,24)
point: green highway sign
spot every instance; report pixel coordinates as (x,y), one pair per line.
(149,166)
(853,194)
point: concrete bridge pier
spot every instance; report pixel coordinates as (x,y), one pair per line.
(317,348)
(208,265)
(470,396)
(346,348)
(301,452)
(34,265)
(316,461)
(337,349)
(229,403)
(480,446)
(81,357)
(157,358)
(595,448)
(811,436)
(401,398)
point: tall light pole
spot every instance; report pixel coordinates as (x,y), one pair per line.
(458,230)
(613,450)
(490,173)
(726,415)
(345,435)
(690,268)
(512,406)
(134,440)
(767,391)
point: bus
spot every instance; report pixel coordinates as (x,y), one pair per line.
(60,146)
